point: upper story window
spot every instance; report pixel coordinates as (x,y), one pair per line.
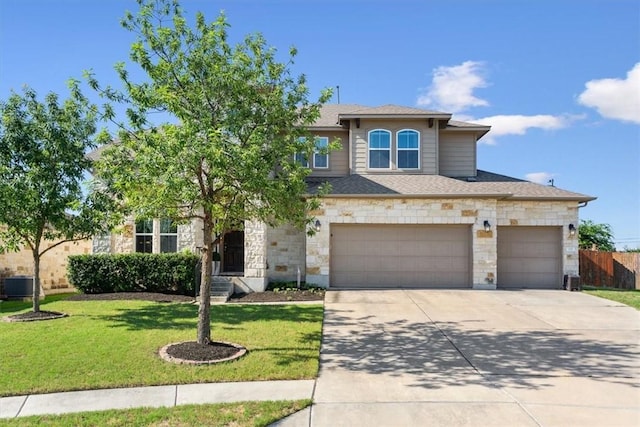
(144,236)
(408,146)
(301,157)
(321,153)
(168,236)
(379,149)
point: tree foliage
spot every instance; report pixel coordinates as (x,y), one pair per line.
(241,117)
(592,235)
(42,173)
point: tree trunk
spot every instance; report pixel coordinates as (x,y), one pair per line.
(204,310)
(36,281)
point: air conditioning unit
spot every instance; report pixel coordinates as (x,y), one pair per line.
(572,282)
(18,287)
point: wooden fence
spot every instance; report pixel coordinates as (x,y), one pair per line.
(610,269)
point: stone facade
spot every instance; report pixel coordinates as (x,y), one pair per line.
(285,253)
(443,211)
(255,255)
(53,265)
(189,237)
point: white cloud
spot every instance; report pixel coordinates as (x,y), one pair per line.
(452,88)
(617,99)
(502,125)
(539,177)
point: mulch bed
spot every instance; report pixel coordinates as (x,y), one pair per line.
(281,296)
(144,296)
(192,353)
(31,316)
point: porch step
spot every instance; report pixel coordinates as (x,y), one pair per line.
(221,288)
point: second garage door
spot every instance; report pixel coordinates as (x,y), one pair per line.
(400,256)
(529,257)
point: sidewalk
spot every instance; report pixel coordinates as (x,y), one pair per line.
(157,396)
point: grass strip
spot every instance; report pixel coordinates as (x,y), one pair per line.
(243,414)
(630,297)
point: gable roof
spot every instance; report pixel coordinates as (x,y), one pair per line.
(391,110)
(332,114)
(486,185)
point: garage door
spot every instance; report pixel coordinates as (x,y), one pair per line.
(529,257)
(400,256)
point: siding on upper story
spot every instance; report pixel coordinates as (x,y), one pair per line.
(457,154)
(338,159)
(428,144)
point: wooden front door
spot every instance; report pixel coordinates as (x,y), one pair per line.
(233,254)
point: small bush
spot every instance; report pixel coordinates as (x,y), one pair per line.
(293,287)
(173,273)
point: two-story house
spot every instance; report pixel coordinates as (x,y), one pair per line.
(408,208)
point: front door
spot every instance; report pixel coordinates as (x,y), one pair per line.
(233,254)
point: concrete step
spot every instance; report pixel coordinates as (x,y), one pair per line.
(221,289)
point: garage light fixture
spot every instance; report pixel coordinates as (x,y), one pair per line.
(487,225)
(572,230)
(317,224)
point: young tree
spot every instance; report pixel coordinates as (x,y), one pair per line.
(42,172)
(241,115)
(591,234)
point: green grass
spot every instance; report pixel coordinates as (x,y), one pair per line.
(242,414)
(629,297)
(105,344)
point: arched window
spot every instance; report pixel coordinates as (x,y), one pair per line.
(408,146)
(379,149)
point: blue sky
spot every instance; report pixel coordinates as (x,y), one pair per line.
(559,80)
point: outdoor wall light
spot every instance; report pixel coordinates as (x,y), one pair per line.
(487,225)
(317,224)
(572,230)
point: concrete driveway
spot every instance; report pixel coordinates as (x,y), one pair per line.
(481,358)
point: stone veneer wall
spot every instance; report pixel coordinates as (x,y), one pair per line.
(123,241)
(285,253)
(255,255)
(442,211)
(53,264)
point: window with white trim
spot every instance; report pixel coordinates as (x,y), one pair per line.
(379,149)
(144,236)
(408,147)
(301,157)
(162,231)
(321,153)
(168,236)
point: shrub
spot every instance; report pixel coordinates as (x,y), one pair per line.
(293,286)
(173,273)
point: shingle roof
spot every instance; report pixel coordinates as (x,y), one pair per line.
(396,110)
(330,115)
(459,124)
(487,185)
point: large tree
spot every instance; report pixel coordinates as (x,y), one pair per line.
(592,235)
(239,118)
(43,171)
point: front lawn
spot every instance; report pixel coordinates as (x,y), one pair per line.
(105,344)
(629,297)
(243,414)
